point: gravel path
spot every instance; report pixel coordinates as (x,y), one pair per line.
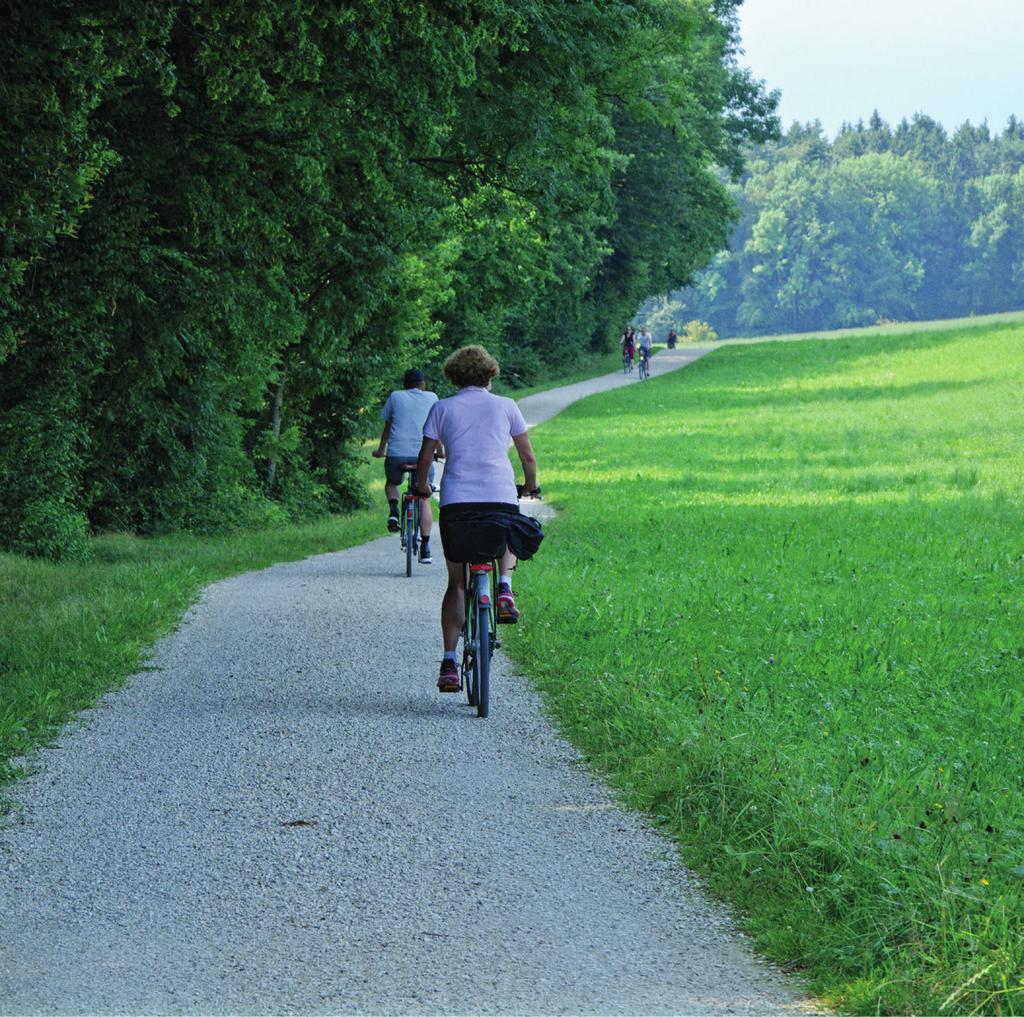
(284,816)
(538,408)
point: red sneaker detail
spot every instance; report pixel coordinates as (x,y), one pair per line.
(508,613)
(448,680)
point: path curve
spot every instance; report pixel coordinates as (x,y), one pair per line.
(544,405)
(284,816)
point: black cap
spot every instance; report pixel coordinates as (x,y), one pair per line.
(413,377)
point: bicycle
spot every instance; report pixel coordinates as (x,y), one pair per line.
(479,640)
(627,362)
(410,519)
(478,637)
(645,364)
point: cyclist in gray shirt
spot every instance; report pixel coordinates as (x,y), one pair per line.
(404,414)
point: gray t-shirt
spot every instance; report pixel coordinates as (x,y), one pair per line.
(407,410)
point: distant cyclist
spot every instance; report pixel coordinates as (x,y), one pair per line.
(404,414)
(475,428)
(628,344)
(646,343)
(673,338)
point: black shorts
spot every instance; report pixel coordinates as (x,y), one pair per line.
(393,472)
(475,531)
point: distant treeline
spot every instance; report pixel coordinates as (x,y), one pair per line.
(881,223)
(227,228)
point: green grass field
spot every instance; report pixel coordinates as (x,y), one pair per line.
(782,608)
(892,328)
(69,632)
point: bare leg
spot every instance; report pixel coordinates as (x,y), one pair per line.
(508,563)
(506,611)
(426,517)
(390,491)
(453,607)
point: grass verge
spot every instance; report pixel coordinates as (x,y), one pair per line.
(69,632)
(781,608)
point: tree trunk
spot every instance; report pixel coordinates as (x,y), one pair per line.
(275,426)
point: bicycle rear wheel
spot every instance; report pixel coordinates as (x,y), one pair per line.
(468,679)
(409,534)
(482,668)
(467,671)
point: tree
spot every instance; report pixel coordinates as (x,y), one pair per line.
(841,234)
(230,226)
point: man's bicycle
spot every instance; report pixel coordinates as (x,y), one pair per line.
(409,519)
(644,365)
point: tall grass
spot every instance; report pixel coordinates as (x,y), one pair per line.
(782,607)
(69,632)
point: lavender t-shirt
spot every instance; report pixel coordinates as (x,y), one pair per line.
(476,428)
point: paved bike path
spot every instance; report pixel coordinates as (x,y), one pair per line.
(284,816)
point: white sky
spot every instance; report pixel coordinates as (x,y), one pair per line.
(838,60)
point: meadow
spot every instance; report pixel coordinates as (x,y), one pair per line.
(71,631)
(782,609)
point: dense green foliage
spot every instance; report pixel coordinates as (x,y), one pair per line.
(229,227)
(880,224)
(794,635)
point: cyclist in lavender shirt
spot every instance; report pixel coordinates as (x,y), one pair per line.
(475,428)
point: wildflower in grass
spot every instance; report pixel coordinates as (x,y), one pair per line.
(984,882)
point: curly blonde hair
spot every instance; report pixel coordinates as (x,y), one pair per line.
(471,365)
